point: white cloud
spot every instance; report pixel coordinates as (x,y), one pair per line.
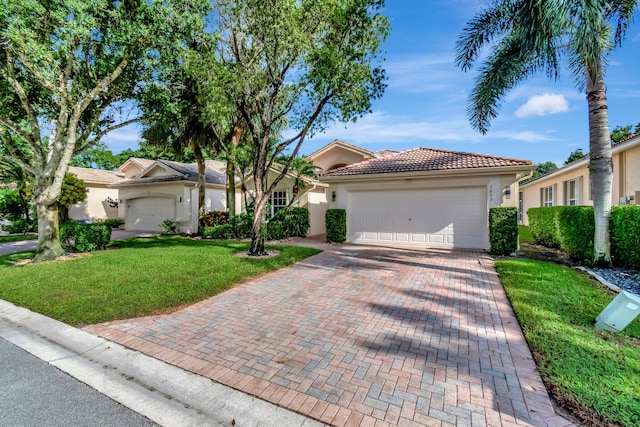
(422,74)
(123,138)
(542,105)
(636,37)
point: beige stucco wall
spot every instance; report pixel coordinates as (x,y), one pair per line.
(626,182)
(337,155)
(95,205)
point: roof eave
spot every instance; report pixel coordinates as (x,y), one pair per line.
(430,174)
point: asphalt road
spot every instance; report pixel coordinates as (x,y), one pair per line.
(34,393)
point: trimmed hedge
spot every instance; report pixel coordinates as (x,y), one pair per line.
(624,228)
(576,227)
(543,225)
(503,230)
(212,218)
(76,237)
(572,229)
(336,225)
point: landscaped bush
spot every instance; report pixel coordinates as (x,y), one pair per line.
(543,224)
(276,230)
(624,228)
(76,237)
(22,226)
(222,231)
(295,221)
(503,230)
(169,226)
(215,218)
(336,225)
(576,228)
(241,225)
(113,222)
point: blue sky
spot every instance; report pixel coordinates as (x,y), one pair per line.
(426,98)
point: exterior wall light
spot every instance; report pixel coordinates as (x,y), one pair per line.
(507,192)
(333,196)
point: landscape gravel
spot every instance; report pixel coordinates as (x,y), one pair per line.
(624,278)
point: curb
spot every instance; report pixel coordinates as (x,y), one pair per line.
(163,393)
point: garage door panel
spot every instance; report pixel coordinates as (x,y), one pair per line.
(147,213)
(443,217)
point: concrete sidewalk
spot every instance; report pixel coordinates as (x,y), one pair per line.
(163,393)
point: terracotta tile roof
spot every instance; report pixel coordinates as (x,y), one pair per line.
(425,159)
(96,176)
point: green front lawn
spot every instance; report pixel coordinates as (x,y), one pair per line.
(556,307)
(17,238)
(140,277)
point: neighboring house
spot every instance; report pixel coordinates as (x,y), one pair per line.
(155,191)
(101,201)
(421,197)
(570,185)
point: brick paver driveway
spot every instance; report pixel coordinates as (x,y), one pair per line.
(362,336)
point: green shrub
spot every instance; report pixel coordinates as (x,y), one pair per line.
(543,224)
(503,230)
(336,225)
(222,231)
(76,237)
(624,229)
(215,218)
(113,222)
(295,221)
(169,226)
(276,230)
(576,229)
(22,226)
(241,225)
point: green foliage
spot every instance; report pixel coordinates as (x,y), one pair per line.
(625,236)
(620,133)
(336,225)
(575,155)
(113,222)
(295,222)
(84,237)
(215,218)
(540,170)
(524,234)
(23,226)
(576,227)
(556,307)
(543,224)
(73,191)
(169,226)
(11,206)
(503,230)
(220,231)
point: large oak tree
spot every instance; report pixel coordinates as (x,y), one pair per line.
(67,68)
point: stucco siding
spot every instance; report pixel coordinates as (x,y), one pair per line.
(95,206)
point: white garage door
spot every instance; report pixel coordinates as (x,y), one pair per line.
(147,213)
(447,217)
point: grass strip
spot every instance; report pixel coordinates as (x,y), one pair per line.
(140,277)
(556,307)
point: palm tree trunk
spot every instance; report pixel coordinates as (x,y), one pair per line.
(600,164)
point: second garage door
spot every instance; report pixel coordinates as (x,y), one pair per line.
(147,213)
(447,217)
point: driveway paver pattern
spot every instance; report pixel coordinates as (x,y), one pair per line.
(362,336)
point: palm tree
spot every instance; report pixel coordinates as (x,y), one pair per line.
(526,37)
(301,167)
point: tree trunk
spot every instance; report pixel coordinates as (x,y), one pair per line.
(231,182)
(197,152)
(600,164)
(232,147)
(257,235)
(49,247)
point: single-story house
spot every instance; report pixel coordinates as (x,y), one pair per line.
(570,185)
(422,197)
(155,191)
(102,200)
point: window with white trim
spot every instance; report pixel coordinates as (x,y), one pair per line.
(572,191)
(277,201)
(547,196)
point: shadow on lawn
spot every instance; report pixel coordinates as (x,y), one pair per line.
(173,241)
